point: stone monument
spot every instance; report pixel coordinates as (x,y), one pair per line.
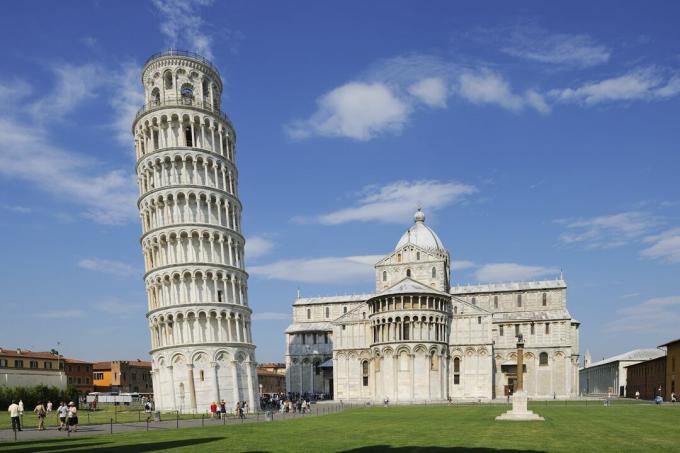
(519,410)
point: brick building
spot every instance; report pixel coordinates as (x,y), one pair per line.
(672,368)
(647,378)
(79,374)
(123,376)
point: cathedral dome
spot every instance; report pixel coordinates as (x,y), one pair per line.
(421,235)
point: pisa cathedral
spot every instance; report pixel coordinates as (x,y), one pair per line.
(417,338)
(197,289)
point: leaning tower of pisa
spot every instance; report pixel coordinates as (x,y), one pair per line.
(201,343)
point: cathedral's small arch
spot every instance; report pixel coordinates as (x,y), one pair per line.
(384,276)
(474,301)
(434,272)
(456,371)
(328,312)
(364,373)
(167,80)
(408,272)
(155,96)
(187,93)
(543,359)
(418,256)
(519,300)
(455,310)
(495,301)
(545,299)
(309,313)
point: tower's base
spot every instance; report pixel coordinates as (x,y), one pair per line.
(519,412)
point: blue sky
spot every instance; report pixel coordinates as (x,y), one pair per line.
(537,138)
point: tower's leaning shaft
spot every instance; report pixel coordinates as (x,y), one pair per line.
(193,247)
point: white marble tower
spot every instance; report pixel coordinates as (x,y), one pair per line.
(201,343)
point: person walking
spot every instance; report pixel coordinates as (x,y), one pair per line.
(72,417)
(14,416)
(41,412)
(21,410)
(62,413)
(244,407)
(674,399)
(223,408)
(49,407)
(213,409)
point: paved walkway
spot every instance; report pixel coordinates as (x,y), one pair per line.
(8,435)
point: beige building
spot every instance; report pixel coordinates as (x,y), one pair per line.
(417,338)
(610,376)
(23,368)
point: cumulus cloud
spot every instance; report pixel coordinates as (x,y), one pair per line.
(498,272)
(432,91)
(664,246)
(660,315)
(396,202)
(488,87)
(355,110)
(650,83)
(108,267)
(609,230)
(258,246)
(346,269)
(183,25)
(459,265)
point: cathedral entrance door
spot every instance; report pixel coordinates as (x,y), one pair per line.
(510,388)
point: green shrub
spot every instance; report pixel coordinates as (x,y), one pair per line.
(39,393)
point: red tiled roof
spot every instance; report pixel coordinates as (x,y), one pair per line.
(67,360)
(23,353)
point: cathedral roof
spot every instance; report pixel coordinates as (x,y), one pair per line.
(634,355)
(309,327)
(348,298)
(421,235)
(408,285)
(510,286)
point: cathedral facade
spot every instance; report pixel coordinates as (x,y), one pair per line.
(417,338)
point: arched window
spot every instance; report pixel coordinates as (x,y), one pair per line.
(418,256)
(456,371)
(479,319)
(309,313)
(543,359)
(364,372)
(406,329)
(545,299)
(495,301)
(408,272)
(547,328)
(384,276)
(519,300)
(167,80)
(455,309)
(434,272)
(398,257)
(474,301)
(328,312)
(188,139)
(533,330)
(205,91)
(344,309)
(155,96)
(187,93)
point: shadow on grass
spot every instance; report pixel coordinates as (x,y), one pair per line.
(82,445)
(410,449)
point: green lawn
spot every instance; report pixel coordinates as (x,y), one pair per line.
(624,427)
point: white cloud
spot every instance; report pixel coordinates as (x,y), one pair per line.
(75,85)
(609,230)
(17,209)
(258,246)
(271,316)
(533,43)
(659,315)
(432,91)
(182,25)
(648,83)
(127,98)
(356,110)
(462,264)
(487,87)
(396,202)
(347,269)
(664,246)
(13,91)
(497,272)
(108,267)
(61,314)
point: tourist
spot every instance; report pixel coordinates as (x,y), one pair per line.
(637,394)
(21,410)
(41,412)
(62,413)
(673,398)
(49,407)
(244,407)
(223,408)
(72,417)
(213,409)
(14,416)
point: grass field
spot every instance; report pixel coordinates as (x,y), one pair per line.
(415,428)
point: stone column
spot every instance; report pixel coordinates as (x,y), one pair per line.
(234,376)
(413,376)
(395,373)
(172,386)
(251,390)
(216,382)
(192,388)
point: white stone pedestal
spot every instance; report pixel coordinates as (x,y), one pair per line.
(519,410)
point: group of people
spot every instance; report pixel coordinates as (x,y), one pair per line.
(219,410)
(66,413)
